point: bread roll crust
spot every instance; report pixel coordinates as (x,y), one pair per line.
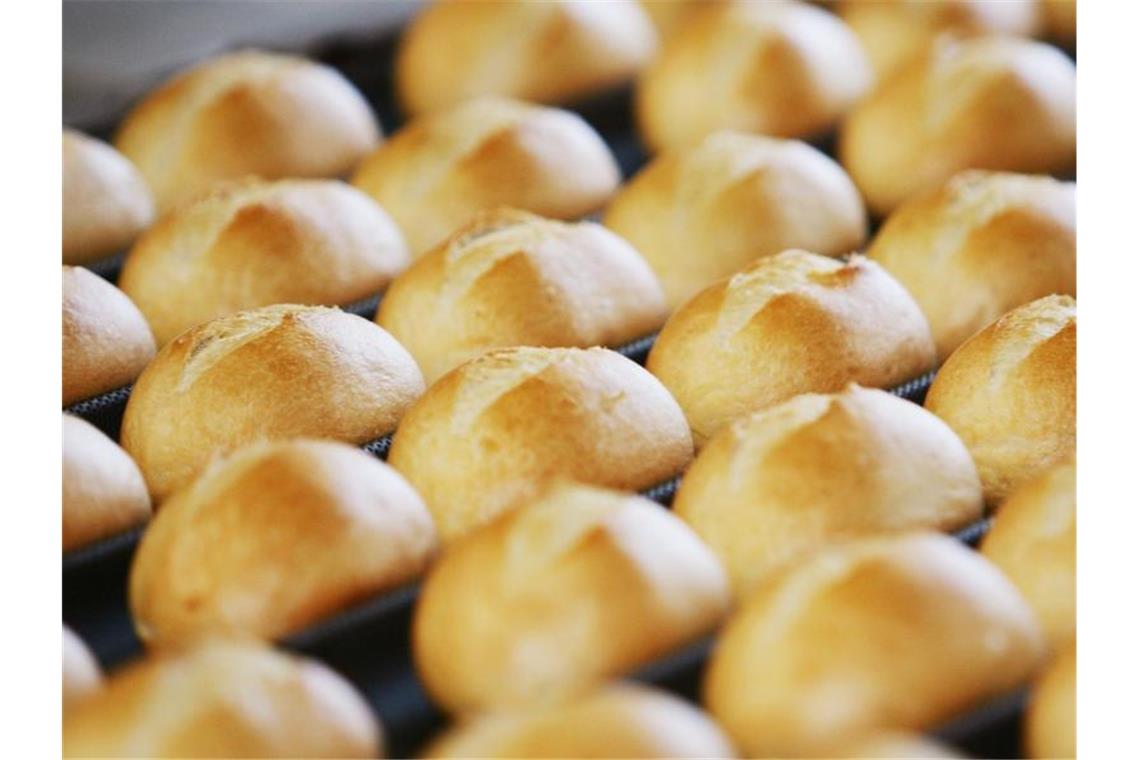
(243,113)
(819,469)
(441,169)
(106,203)
(888,633)
(106,341)
(82,677)
(277,372)
(103,491)
(510,278)
(781,69)
(1051,718)
(701,213)
(1009,392)
(480,440)
(549,52)
(580,585)
(789,324)
(981,244)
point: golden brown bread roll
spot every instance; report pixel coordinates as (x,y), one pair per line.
(1051,718)
(903,745)
(353,523)
(441,169)
(979,245)
(103,490)
(82,677)
(817,469)
(249,112)
(1061,21)
(549,52)
(704,212)
(277,372)
(248,244)
(1010,393)
(789,324)
(885,633)
(105,201)
(1034,541)
(223,699)
(782,69)
(987,103)
(895,31)
(618,720)
(106,341)
(482,437)
(510,278)
(579,585)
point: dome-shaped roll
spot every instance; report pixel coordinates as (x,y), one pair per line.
(441,169)
(249,112)
(510,278)
(82,677)
(1051,718)
(483,436)
(789,324)
(276,372)
(103,491)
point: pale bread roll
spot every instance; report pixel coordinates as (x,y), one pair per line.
(103,491)
(82,677)
(1051,718)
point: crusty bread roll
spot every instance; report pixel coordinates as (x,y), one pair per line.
(249,112)
(789,324)
(882,633)
(782,69)
(276,372)
(701,213)
(1010,393)
(510,278)
(816,469)
(1034,541)
(353,523)
(903,745)
(1051,719)
(979,245)
(619,720)
(894,31)
(106,203)
(106,341)
(223,699)
(478,442)
(82,677)
(103,491)
(442,168)
(986,103)
(579,585)
(549,52)
(249,244)
(1061,21)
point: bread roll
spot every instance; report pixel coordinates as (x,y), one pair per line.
(250,244)
(979,245)
(620,720)
(105,201)
(987,103)
(103,490)
(1009,393)
(880,634)
(510,278)
(789,324)
(782,69)
(81,675)
(1061,21)
(477,443)
(353,523)
(276,372)
(1034,541)
(895,31)
(702,213)
(580,585)
(550,52)
(666,15)
(816,469)
(248,112)
(893,744)
(441,169)
(1051,719)
(223,699)
(106,341)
